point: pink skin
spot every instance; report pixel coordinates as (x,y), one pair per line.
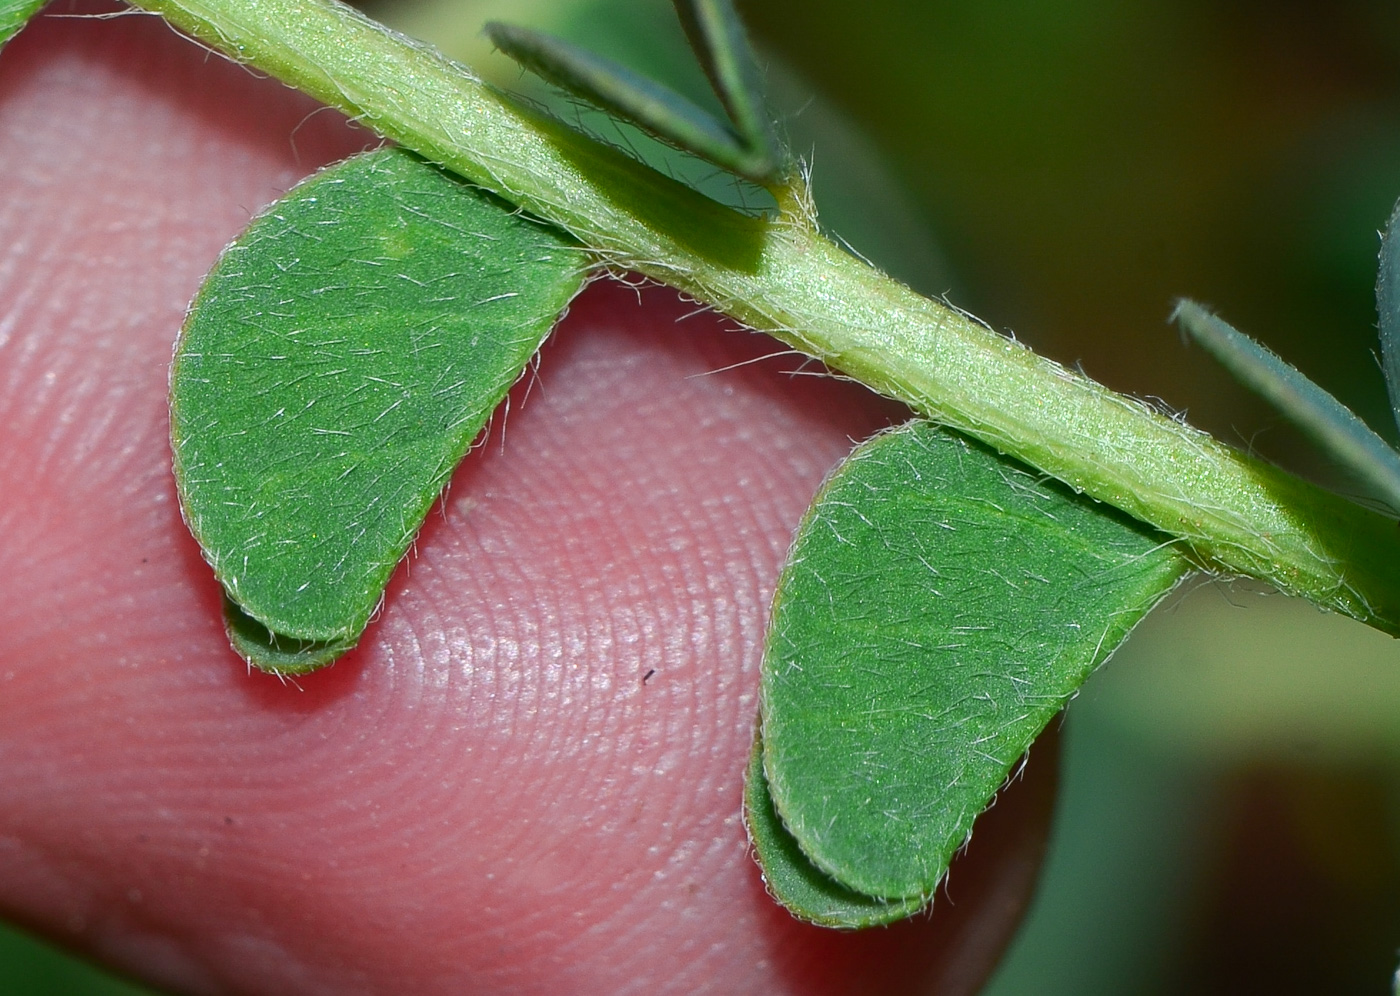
(490,795)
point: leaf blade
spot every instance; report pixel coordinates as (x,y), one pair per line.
(719,40)
(1388,309)
(656,109)
(333,370)
(14,15)
(939,606)
(804,889)
(1331,424)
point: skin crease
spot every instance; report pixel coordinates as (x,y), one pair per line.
(490,795)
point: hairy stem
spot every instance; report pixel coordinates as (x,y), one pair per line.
(781,276)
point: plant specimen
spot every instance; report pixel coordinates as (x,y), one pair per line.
(945,596)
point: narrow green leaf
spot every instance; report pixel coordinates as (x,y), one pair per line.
(802,887)
(718,38)
(335,366)
(656,109)
(1388,307)
(15,14)
(1331,424)
(940,604)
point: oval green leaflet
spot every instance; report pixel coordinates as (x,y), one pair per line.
(14,15)
(939,606)
(335,367)
(793,880)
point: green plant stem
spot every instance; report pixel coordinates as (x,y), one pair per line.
(779,275)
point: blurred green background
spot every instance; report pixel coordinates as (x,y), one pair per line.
(1230,811)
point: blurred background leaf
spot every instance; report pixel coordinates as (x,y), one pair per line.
(1230,813)
(862,199)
